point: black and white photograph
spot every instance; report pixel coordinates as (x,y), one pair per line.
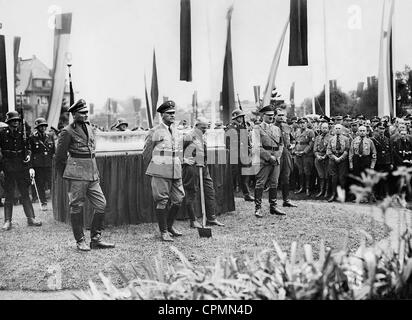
(181,150)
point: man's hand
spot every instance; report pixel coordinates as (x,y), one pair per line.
(190,161)
(274,159)
(27,159)
(337,159)
(32,173)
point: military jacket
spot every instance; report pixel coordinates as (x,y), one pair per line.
(321,144)
(332,149)
(287,136)
(43,149)
(304,142)
(238,141)
(402,150)
(383,150)
(270,143)
(161,150)
(75,153)
(369,149)
(13,150)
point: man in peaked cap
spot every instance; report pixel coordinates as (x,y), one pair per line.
(270,143)
(15,156)
(160,155)
(239,144)
(194,157)
(121,125)
(80,168)
(43,150)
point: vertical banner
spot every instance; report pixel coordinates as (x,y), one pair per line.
(385,83)
(325,48)
(292,99)
(194,108)
(298,48)
(154,92)
(185,42)
(256,92)
(61,49)
(3,79)
(148,108)
(270,85)
(228,90)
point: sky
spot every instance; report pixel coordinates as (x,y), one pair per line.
(112,44)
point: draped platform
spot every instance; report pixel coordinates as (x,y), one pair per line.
(128,192)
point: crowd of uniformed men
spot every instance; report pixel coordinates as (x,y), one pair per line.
(313,156)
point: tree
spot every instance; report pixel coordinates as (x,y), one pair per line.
(403,90)
(340,103)
(368,104)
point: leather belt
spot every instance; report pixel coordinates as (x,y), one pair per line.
(271,148)
(83,155)
(164,153)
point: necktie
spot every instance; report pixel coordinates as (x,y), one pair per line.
(338,145)
(170,130)
(361,147)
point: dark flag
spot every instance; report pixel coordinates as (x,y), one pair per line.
(185,42)
(154,92)
(71,87)
(298,48)
(292,99)
(3,79)
(149,113)
(228,90)
(16,48)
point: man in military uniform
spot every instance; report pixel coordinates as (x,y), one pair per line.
(269,141)
(338,151)
(286,162)
(43,149)
(195,156)
(402,150)
(80,169)
(354,131)
(384,159)
(238,143)
(321,158)
(121,125)
(15,156)
(304,155)
(165,169)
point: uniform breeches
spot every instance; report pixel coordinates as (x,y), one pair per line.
(360,164)
(19,178)
(191,183)
(339,171)
(322,168)
(304,165)
(79,190)
(164,189)
(286,167)
(268,173)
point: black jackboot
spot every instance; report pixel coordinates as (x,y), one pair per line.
(334,188)
(322,188)
(161,215)
(171,217)
(8,212)
(76,219)
(29,212)
(96,228)
(273,202)
(258,202)
(285,196)
(308,186)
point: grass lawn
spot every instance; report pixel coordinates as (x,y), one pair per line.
(29,256)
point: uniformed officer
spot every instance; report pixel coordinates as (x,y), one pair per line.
(402,150)
(321,158)
(384,160)
(239,145)
(195,156)
(338,151)
(362,153)
(121,125)
(76,162)
(15,156)
(286,162)
(165,169)
(269,141)
(354,131)
(43,150)
(304,155)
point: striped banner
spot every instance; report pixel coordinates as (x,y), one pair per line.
(61,49)
(154,92)
(185,42)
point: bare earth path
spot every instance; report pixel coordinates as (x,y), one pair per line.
(392,219)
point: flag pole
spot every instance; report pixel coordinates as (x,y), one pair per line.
(393,60)
(212,85)
(327,88)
